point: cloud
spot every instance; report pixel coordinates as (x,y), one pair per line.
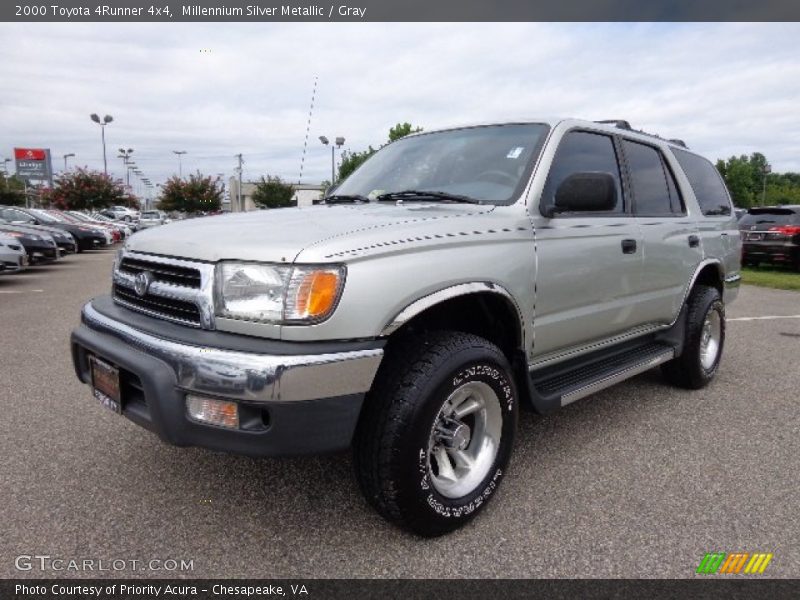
(219,89)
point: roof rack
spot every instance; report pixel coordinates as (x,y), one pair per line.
(622,124)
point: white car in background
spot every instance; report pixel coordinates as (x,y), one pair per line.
(13,258)
(152,218)
(122,213)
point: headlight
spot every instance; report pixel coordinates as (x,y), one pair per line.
(278,293)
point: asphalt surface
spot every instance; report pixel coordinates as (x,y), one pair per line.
(640,480)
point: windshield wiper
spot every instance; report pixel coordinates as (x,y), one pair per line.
(346,199)
(414,195)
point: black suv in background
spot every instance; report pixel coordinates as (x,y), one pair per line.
(771,234)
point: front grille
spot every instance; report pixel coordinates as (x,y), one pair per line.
(159,306)
(168,273)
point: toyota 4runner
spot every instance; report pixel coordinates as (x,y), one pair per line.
(455,277)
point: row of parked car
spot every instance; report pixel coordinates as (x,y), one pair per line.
(30,236)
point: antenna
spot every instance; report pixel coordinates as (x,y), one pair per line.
(308,128)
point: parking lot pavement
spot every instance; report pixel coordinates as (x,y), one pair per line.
(640,480)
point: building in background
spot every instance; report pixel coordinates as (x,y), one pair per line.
(304,195)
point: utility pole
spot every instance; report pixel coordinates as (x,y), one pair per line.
(239,194)
(767,170)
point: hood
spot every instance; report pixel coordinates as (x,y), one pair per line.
(279,235)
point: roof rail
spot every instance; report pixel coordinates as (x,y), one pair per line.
(620,123)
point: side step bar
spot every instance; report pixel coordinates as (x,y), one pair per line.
(562,384)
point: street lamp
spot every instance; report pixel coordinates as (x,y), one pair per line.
(767,170)
(66,156)
(180,153)
(125,155)
(106,120)
(339,141)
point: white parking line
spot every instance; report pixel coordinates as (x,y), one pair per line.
(19,291)
(770,318)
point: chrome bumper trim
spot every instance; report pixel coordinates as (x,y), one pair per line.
(247,376)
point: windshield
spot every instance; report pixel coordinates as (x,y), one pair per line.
(489,163)
(44,216)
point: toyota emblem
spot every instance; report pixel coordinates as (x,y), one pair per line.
(141,282)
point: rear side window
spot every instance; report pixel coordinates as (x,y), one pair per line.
(582,152)
(706,182)
(654,191)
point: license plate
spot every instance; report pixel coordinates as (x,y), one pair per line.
(105,384)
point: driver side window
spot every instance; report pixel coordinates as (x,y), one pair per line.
(582,152)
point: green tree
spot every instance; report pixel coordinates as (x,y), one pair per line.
(12,190)
(402,130)
(352,160)
(196,194)
(83,189)
(272,192)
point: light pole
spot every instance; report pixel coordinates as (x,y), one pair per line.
(767,170)
(66,156)
(180,153)
(125,155)
(5,170)
(106,120)
(339,141)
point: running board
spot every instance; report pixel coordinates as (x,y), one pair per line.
(564,384)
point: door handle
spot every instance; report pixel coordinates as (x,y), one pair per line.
(628,246)
(694,241)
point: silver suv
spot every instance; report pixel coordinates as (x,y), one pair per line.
(455,277)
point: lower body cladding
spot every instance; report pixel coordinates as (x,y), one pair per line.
(262,404)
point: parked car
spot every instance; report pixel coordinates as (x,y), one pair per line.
(127,227)
(454,277)
(152,218)
(13,257)
(65,216)
(38,245)
(64,239)
(122,213)
(771,234)
(86,237)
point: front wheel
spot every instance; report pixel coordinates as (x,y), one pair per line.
(437,431)
(703,342)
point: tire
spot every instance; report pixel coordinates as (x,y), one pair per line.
(126,218)
(696,367)
(403,436)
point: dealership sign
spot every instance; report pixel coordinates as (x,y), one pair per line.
(34,163)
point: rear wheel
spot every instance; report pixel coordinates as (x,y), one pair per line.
(437,431)
(703,343)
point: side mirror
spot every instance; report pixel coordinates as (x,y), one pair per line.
(585,192)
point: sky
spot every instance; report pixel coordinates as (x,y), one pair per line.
(215,90)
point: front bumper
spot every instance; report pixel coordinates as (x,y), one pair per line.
(292,403)
(40,252)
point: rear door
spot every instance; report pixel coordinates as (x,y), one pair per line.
(716,223)
(671,245)
(588,265)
